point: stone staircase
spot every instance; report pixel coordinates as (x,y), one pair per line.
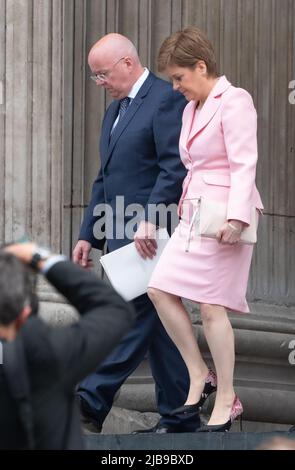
(116,435)
(185,441)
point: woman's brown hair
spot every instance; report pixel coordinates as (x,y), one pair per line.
(185,48)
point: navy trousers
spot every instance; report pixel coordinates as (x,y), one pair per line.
(147,337)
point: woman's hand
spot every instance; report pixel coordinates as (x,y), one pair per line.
(230,232)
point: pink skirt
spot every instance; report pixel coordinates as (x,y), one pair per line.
(208,273)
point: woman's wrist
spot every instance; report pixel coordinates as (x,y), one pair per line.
(236,225)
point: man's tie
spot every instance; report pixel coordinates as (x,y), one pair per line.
(124,103)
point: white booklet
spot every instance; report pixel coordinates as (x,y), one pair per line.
(128,273)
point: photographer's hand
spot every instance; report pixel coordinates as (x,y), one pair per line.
(24,252)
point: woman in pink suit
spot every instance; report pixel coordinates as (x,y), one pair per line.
(218,146)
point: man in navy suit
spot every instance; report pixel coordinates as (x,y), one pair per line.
(141,164)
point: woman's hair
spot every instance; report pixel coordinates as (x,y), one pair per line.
(185,48)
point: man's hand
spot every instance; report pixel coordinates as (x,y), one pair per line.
(145,240)
(81,253)
(230,232)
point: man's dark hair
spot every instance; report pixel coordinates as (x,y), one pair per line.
(17,288)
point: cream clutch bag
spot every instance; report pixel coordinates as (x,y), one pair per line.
(212,215)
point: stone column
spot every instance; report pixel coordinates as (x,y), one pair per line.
(32,126)
(31,120)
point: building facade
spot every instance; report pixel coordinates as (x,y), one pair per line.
(50,117)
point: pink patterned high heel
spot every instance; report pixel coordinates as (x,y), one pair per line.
(236,410)
(209,387)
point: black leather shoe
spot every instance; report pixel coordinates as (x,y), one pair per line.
(216,427)
(236,412)
(210,386)
(292,429)
(158,429)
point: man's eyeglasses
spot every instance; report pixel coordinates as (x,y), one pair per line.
(103,76)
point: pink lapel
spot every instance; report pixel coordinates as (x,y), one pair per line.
(208,110)
(187,123)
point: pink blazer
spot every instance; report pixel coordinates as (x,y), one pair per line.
(219,149)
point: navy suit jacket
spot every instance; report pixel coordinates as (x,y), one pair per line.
(140,161)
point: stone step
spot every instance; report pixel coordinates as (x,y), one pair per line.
(191,441)
(118,426)
(125,421)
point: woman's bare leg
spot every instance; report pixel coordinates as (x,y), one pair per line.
(220,338)
(178,325)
